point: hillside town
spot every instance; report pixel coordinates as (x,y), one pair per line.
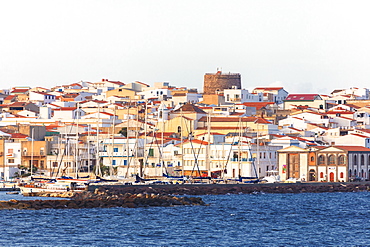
(114,129)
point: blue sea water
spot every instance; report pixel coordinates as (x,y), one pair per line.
(322,219)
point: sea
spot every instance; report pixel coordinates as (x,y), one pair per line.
(306,219)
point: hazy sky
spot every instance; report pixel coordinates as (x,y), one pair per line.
(305,46)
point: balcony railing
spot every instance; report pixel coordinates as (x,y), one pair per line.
(33,154)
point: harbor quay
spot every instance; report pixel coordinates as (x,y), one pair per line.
(222,189)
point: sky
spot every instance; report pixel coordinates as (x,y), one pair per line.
(312,46)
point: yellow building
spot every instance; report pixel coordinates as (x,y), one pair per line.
(122,92)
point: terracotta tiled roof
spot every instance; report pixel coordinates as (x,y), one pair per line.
(298,97)
(10,97)
(20,90)
(340,112)
(190,108)
(258,105)
(66,109)
(18,136)
(354,148)
(179,94)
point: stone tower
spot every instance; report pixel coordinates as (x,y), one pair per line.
(214,83)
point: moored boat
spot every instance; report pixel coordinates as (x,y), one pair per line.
(54,185)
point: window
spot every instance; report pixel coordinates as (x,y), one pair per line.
(321,160)
(151,152)
(362,159)
(54,164)
(312,158)
(321,175)
(115,150)
(341,175)
(10,151)
(331,159)
(11,161)
(114,162)
(341,160)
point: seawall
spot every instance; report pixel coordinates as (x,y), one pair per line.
(221,189)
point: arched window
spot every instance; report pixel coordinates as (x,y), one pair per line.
(362,173)
(341,160)
(349,173)
(321,175)
(341,175)
(331,159)
(179,129)
(354,160)
(321,160)
(355,172)
(362,159)
(312,158)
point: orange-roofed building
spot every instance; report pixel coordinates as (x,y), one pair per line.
(330,164)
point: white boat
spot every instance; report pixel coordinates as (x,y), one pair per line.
(272,177)
(55,185)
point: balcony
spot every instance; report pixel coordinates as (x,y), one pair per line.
(25,154)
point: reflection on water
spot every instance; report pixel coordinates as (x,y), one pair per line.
(230,220)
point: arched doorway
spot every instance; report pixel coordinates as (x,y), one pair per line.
(331,177)
(312,175)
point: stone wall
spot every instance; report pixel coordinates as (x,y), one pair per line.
(219,82)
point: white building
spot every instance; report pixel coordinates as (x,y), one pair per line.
(238,96)
(272,94)
(13,159)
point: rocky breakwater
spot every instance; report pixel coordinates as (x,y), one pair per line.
(104,199)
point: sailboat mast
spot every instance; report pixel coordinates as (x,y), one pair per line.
(239,147)
(145,131)
(113,132)
(97,165)
(182,145)
(137,141)
(88,149)
(32,142)
(127,140)
(208,166)
(258,149)
(76,148)
(162,140)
